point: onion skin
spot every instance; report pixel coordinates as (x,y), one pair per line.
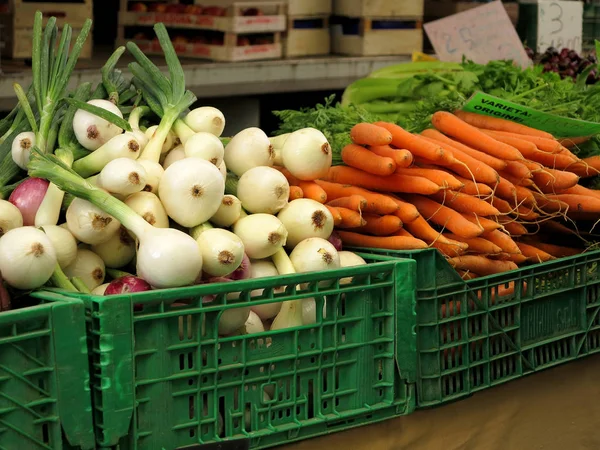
(335,240)
(127,285)
(243,271)
(28,197)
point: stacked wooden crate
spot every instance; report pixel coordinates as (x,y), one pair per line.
(224,31)
(437,9)
(377,27)
(308,28)
(16,19)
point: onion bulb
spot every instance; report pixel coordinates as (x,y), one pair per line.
(290,314)
(28,196)
(100,290)
(207,119)
(228,213)
(118,251)
(307,154)
(223,170)
(27,258)
(123,176)
(127,285)
(222,251)
(170,141)
(309,310)
(21,148)
(315,255)
(262,234)
(88,267)
(254,324)
(247,149)
(10,217)
(191,191)
(148,205)
(92,131)
(64,244)
(260,269)
(89,224)
(231,320)
(177,154)
(304,218)
(154,172)
(349,259)
(277,143)
(205,146)
(263,190)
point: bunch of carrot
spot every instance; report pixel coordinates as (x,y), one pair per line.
(476,188)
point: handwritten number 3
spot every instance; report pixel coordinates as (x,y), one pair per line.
(557,18)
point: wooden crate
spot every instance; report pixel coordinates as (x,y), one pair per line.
(371,40)
(22,13)
(437,9)
(307,36)
(378,8)
(309,7)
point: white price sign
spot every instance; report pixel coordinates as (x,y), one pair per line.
(560,25)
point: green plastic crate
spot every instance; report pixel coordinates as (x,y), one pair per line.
(162,380)
(475,334)
(45,400)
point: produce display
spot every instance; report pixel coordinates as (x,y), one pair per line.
(567,63)
(121,188)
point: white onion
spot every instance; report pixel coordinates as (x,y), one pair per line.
(141,137)
(254,324)
(191,191)
(170,141)
(177,154)
(123,145)
(206,118)
(21,148)
(277,143)
(148,205)
(262,234)
(222,251)
(260,269)
(89,224)
(290,314)
(118,251)
(307,154)
(309,311)
(100,290)
(232,320)
(10,217)
(27,258)
(196,231)
(349,259)
(205,146)
(247,149)
(304,218)
(228,213)
(123,176)
(63,242)
(223,170)
(92,131)
(88,267)
(154,172)
(314,255)
(263,190)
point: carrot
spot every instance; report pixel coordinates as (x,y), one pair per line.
(555,250)
(502,240)
(402,232)
(369,134)
(578,203)
(534,254)
(381,225)
(292,180)
(376,203)
(295,193)
(550,205)
(420,229)
(580,190)
(477,244)
(337,216)
(439,177)
(445,217)
(526,213)
(402,158)
(415,144)
(517,258)
(512,227)
(452,248)
(471,188)
(360,158)
(593,162)
(525,196)
(573,141)
(518,170)
(481,264)
(468,166)
(393,183)
(389,242)
(466,275)
(550,180)
(554,227)
(350,219)
(485,223)
(494,123)
(547,145)
(585,168)
(493,162)
(506,190)
(313,191)
(465,203)
(407,212)
(516,180)
(502,205)
(353,202)
(450,124)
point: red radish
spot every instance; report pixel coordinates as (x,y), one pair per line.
(336,241)
(127,285)
(28,197)
(243,271)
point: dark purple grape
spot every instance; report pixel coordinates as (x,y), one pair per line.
(569,72)
(591,79)
(574,65)
(530,52)
(551,50)
(573,55)
(547,67)
(564,52)
(554,59)
(564,63)
(592,58)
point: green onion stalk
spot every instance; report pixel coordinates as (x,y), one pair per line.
(166,97)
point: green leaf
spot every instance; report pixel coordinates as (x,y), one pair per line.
(176,72)
(158,79)
(24,102)
(100,112)
(66,135)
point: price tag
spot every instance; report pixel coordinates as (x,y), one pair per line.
(481,34)
(560,24)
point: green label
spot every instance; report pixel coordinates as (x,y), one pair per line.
(551,317)
(559,126)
